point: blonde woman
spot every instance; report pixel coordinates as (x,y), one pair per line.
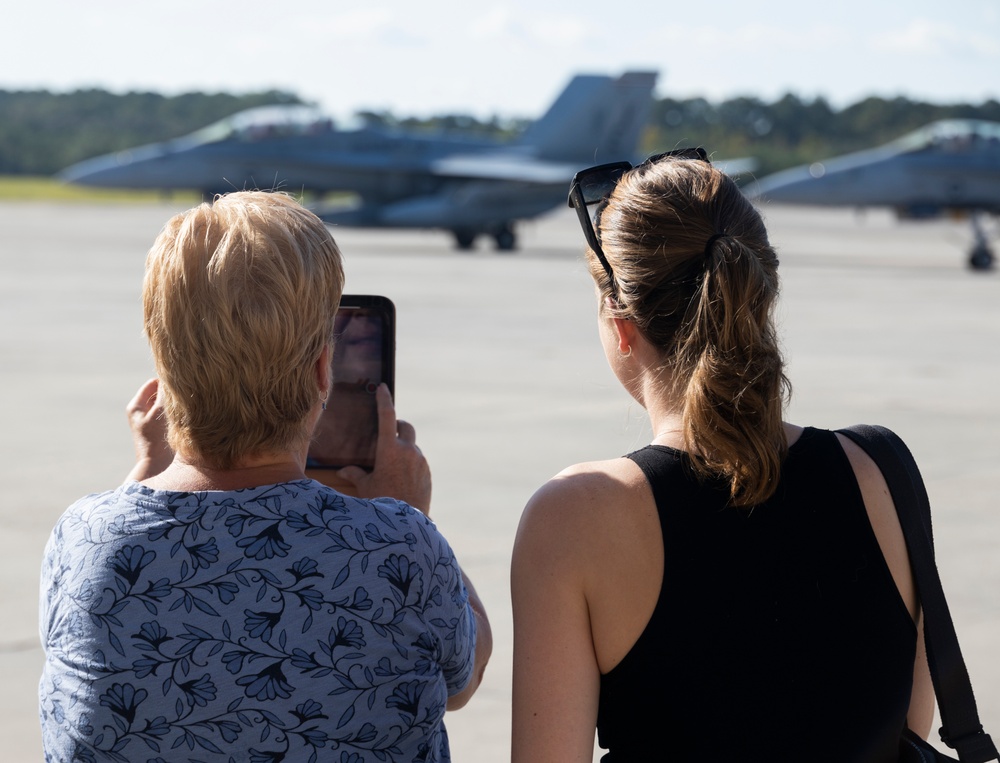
(220,606)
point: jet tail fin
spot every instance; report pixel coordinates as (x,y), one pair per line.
(596,119)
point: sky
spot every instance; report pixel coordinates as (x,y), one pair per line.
(508,58)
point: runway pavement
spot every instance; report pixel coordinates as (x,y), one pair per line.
(500,370)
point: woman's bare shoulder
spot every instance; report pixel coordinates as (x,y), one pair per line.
(577,509)
(870,479)
(593,484)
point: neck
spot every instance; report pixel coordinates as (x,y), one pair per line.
(192,474)
(650,389)
(667,429)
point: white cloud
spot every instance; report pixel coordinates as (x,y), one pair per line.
(925,37)
(754,40)
(561,30)
(359,25)
(496,23)
(501,24)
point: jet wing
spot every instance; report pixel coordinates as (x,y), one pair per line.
(526,169)
(518,168)
(735,167)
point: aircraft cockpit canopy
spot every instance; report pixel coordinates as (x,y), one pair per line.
(265,122)
(953,136)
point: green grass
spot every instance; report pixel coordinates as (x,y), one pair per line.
(34,188)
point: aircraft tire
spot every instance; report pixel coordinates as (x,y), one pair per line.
(506,240)
(981,258)
(464,240)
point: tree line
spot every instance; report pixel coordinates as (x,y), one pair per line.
(42,132)
(792,130)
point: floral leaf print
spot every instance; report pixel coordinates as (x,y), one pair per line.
(282,623)
(260,624)
(308,711)
(268,684)
(129,563)
(151,636)
(199,692)
(406,697)
(203,555)
(347,633)
(342,576)
(305,568)
(401,573)
(124,700)
(346,717)
(266,544)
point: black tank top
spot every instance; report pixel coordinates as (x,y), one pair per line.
(778,635)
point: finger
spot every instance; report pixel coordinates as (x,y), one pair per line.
(150,393)
(352,474)
(145,398)
(406,432)
(386,414)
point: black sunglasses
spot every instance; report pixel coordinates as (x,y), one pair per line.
(595,184)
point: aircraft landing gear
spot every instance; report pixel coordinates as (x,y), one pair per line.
(981,256)
(503,235)
(464,240)
(505,238)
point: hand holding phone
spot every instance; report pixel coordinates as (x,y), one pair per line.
(149,432)
(401,471)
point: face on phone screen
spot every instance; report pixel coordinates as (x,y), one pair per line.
(362,359)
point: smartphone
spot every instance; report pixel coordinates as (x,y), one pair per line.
(364,356)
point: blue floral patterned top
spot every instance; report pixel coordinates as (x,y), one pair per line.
(279,623)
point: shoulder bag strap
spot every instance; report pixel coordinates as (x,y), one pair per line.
(960,726)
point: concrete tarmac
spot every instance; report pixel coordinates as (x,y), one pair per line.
(500,370)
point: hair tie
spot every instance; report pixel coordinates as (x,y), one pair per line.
(711,240)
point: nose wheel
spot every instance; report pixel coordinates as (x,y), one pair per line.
(503,235)
(981,257)
(506,239)
(464,239)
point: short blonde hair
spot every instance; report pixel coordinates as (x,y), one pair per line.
(239,300)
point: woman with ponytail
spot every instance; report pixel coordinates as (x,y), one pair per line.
(739,589)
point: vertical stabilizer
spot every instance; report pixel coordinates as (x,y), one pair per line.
(595,119)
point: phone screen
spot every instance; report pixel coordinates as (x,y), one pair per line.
(363,357)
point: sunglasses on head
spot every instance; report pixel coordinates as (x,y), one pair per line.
(595,184)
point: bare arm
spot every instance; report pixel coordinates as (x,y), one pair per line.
(484,648)
(920,716)
(889,533)
(556,675)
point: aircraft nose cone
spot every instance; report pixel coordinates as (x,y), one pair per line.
(97,171)
(788,185)
(781,186)
(120,169)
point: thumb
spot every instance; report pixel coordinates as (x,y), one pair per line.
(352,474)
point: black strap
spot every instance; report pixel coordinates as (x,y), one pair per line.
(960,726)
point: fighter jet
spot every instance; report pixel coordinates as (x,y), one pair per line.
(402,179)
(948,167)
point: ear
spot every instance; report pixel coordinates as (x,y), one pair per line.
(627,334)
(324,370)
